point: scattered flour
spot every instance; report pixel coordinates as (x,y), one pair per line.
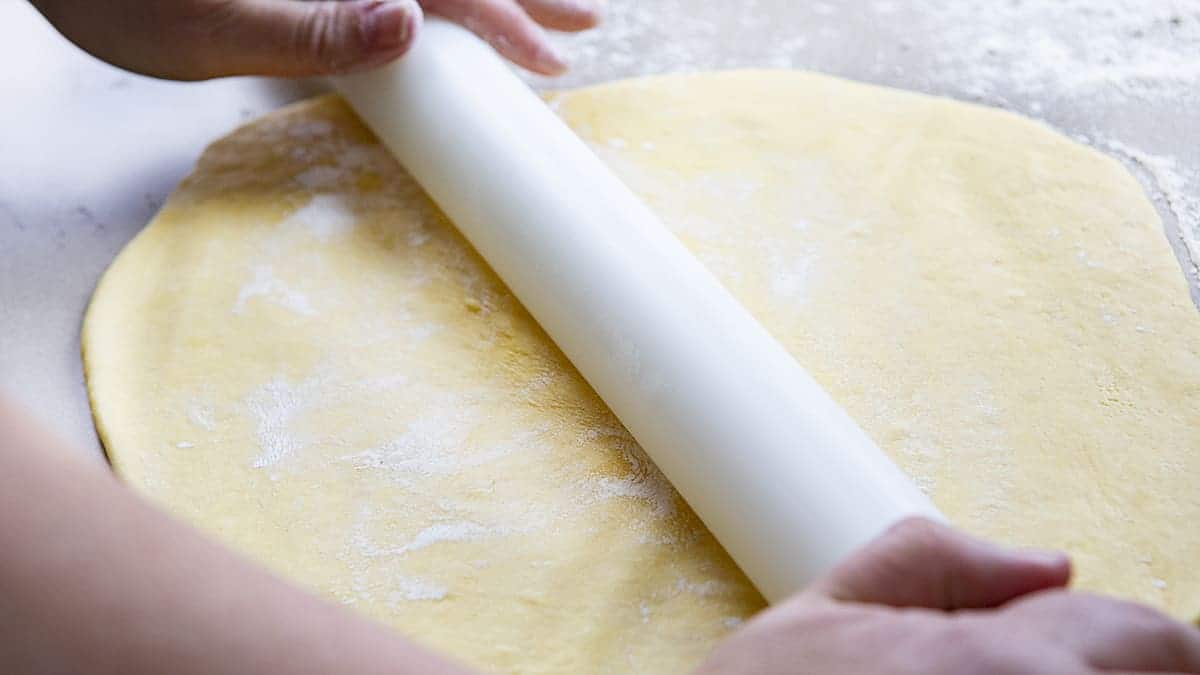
(273,407)
(445,532)
(438,442)
(201,416)
(790,275)
(434,534)
(644,480)
(418,237)
(320,176)
(705,589)
(266,285)
(412,589)
(310,130)
(1177,193)
(326,217)
(1127,49)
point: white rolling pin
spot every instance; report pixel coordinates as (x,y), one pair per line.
(780,474)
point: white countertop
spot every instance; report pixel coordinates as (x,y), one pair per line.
(88,152)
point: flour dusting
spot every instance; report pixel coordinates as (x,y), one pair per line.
(325,217)
(1177,193)
(273,407)
(320,176)
(417,589)
(310,130)
(790,275)
(643,480)
(266,285)
(200,415)
(445,532)
(438,442)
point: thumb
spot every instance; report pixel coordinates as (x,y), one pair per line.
(919,563)
(292,38)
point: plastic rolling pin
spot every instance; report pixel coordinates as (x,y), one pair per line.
(781,475)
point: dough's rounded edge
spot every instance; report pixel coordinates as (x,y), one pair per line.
(94,330)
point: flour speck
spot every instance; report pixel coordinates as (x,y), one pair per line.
(325,217)
(266,285)
(417,589)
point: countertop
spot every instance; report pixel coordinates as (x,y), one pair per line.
(89,152)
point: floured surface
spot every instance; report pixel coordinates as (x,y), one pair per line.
(303,357)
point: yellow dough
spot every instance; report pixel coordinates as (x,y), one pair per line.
(302,357)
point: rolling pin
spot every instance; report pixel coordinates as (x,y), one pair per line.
(782,476)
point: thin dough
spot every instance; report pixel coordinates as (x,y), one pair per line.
(301,356)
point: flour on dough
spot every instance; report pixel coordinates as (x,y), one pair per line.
(301,356)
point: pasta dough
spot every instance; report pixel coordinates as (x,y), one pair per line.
(301,356)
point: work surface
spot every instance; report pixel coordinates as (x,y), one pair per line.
(91,152)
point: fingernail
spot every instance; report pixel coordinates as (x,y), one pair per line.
(390,25)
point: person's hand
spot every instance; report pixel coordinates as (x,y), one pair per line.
(200,39)
(923,599)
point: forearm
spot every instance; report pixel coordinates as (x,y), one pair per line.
(92,579)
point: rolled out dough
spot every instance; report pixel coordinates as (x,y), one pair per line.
(302,357)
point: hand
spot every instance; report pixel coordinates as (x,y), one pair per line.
(201,39)
(923,599)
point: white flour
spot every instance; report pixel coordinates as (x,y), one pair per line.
(438,442)
(417,589)
(273,407)
(325,216)
(265,284)
(1177,185)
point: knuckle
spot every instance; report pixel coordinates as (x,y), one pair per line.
(193,32)
(329,37)
(207,20)
(924,538)
(918,532)
(311,37)
(911,526)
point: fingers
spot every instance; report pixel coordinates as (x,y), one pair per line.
(292,39)
(918,563)
(200,39)
(506,26)
(1110,634)
(570,15)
